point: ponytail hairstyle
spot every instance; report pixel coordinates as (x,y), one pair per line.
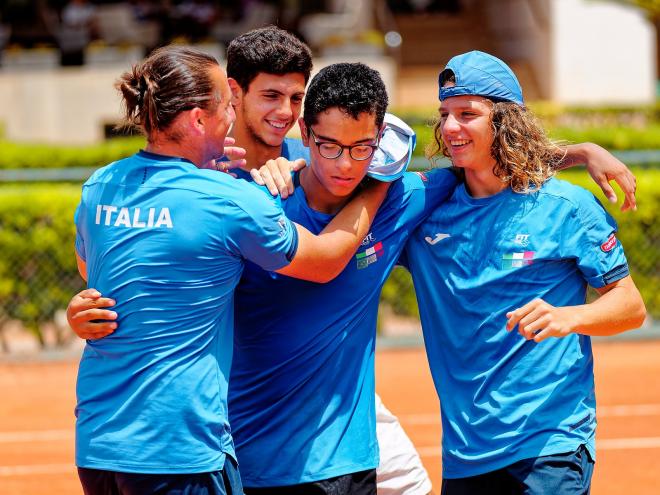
(171,80)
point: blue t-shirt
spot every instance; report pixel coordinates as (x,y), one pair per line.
(301,395)
(503,398)
(168,242)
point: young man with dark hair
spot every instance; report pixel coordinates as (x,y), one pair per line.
(268,70)
(302,381)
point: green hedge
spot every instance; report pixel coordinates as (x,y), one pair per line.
(639,233)
(38,273)
(613,128)
(21,155)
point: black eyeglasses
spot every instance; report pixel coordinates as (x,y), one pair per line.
(332,151)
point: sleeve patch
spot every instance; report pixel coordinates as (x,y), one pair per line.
(609,244)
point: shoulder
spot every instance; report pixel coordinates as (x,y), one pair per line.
(562,192)
(111,170)
(575,202)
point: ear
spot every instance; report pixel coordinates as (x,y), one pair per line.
(304,135)
(197,120)
(236,91)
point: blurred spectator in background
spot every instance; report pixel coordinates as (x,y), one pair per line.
(193,19)
(77,28)
(79,14)
(31,22)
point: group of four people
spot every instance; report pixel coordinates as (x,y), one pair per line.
(195,259)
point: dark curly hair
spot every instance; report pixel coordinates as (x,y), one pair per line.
(271,50)
(354,88)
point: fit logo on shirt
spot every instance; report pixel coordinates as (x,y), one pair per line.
(371,238)
(133,218)
(522,240)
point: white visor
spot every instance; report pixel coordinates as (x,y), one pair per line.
(394,152)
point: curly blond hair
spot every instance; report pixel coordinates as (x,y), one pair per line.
(525,157)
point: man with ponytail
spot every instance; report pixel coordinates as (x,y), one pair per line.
(168,240)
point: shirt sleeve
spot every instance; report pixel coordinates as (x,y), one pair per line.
(590,238)
(258,230)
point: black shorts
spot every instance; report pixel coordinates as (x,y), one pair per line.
(360,483)
(558,474)
(224,482)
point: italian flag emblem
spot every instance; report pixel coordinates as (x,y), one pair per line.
(369,256)
(516,260)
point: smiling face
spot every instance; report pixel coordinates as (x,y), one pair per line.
(270,107)
(340,176)
(467,132)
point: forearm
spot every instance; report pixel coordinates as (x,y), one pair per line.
(322,257)
(618,309)
(575,154)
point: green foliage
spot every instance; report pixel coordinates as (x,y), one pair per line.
(639,232)
(612,137)
(614,128)
(38,273)
(19,156)
(609,137)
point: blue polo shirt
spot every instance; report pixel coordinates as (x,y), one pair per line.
(301,395)
(503,398)
(168,242)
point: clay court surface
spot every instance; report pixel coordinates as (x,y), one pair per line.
(37,400)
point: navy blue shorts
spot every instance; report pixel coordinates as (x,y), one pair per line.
(227,481)
(559,474)
(360,483)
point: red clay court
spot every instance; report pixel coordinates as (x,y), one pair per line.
(36,419)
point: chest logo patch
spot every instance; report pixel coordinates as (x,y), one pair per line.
(369,256)
(438,237)
(517,260)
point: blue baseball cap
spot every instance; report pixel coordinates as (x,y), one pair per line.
(481,74)
(394,151)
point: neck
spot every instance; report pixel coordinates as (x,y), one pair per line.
(256,152)
(318,197)
(162,146)
(483,183)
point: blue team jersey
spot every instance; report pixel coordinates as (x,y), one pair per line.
(301,395)
(503,398)
(168,242)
